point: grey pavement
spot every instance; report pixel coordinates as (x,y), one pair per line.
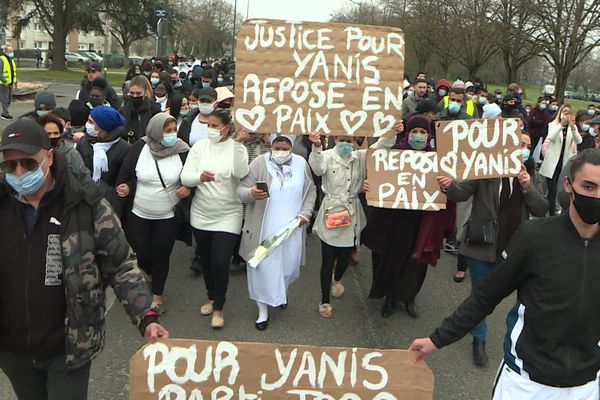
(356,322)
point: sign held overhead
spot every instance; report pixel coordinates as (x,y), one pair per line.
(341,79)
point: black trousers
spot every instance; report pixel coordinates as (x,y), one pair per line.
(407,280)
(215,250)
(44,379)
(329,256)
(153,241)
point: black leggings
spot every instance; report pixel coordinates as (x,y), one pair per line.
(215,250)
(331,254)
(152,240)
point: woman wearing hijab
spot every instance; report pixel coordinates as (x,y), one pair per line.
(290,195)
(215,168)
(103,150)
(342,170)
(150,181)
(399,265)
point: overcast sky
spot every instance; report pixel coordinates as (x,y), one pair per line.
(303,10)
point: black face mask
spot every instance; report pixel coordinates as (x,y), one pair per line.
(54,141)
(96,102)
(136,101)
(587,207)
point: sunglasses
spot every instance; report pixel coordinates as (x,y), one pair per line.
(29,164)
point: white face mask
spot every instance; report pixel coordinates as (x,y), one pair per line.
(205,108)
(90,129)
(281,156)
(214,135)
(161,99)
(193,106)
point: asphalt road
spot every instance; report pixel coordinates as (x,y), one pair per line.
(356,322)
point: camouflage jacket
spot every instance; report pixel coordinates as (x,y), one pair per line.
(95,253)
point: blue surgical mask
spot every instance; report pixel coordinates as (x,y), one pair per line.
(553,107)
(417,141)
(525,153)
(344,148)
(482,100)
(454,107)
(591,111)
(90,129)
(11,54)
(154,81)
(169,139)
(220,80)
(543,106)
(442,92)
(41,113)
(183,113)
(585,127)
(29,183)
(205,84)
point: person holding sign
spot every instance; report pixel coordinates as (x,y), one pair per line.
(397,275)
(287,192)
(551,344)
(499,207)
(341,218)
(560,145)
(215,167)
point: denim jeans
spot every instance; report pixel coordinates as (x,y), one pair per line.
(479,270)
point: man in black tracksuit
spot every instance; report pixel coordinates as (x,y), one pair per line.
(552,344)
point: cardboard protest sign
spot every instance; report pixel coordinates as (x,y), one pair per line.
(195,370)
(404,179)
(296,77)
(479,148)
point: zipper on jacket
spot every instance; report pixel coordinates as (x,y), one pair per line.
(583,280)
(27,278)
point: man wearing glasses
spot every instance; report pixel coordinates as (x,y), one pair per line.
(60,242)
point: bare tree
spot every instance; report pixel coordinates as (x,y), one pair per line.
(567,30)
(513,24)
(130,21)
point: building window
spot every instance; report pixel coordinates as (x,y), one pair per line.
(82,46)
(38,45)
(38,27)
(91,46)
(22,46)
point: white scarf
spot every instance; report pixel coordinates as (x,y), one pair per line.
(100,161)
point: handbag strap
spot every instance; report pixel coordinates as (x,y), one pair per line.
(160,175)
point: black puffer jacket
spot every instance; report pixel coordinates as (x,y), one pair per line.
(136,119)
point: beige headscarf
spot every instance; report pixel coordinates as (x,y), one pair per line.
(154,137)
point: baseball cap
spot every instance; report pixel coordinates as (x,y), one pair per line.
(94,67)
(25,135)
(207,94)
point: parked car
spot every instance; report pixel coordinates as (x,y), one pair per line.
(116,60)
(76,57)
(95,57)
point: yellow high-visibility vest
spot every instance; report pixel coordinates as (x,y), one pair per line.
(6,70)
(470,106)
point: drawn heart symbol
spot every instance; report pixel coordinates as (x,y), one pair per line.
(380,117)
(256,117)
(448,164)
(345,115)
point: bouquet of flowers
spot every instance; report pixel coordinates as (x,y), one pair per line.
(269,245)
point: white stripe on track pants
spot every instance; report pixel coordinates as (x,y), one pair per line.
(512,386)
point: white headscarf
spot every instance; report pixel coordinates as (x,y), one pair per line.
(274,136)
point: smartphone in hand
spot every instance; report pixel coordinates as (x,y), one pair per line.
(262,186)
